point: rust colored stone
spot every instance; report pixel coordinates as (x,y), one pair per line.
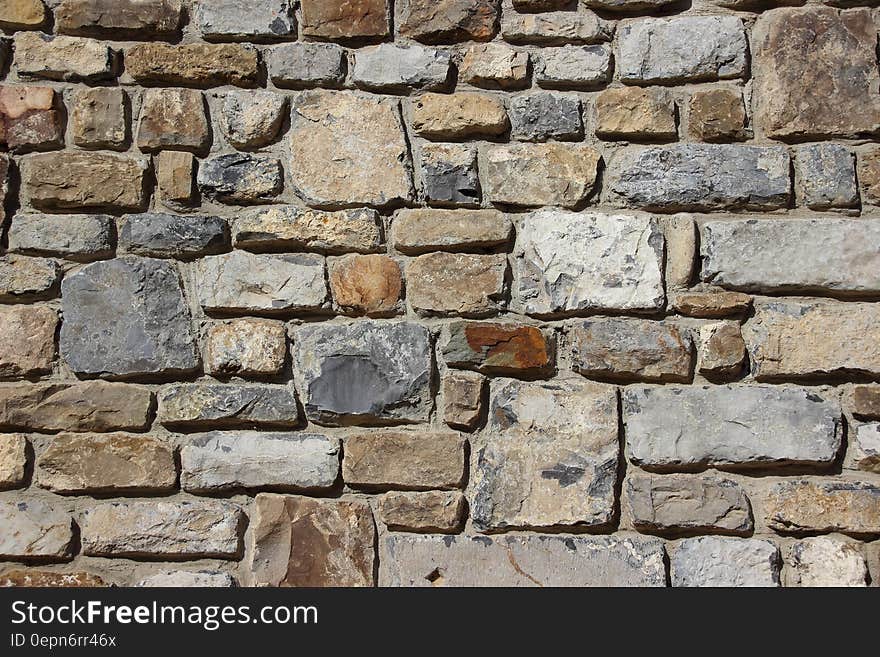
(366,284)
(340,19)
(497,347)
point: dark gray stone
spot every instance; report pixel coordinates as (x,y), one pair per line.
(449,174)
(80,237)
(173,236)
(826,175)
(544,115)
(241,178)
(307,65)
(199,405)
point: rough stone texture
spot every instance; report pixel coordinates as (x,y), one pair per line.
(680,237)
(849,507)
(119,18)
(551,457)
(4,184)
(433,511)
(463,394)
(816,339)
(717,115)
(631,350)
(98,117)
(27,340)
(722,349)
(866,447)
(463,285)
(628,5)
(713,561)
(495,66)
(634,113)
(241,178)
(65,181)
(24,14)
(364,372)
(193,64)
(825,562)
(188,579)
(222,461)
(307,65)
(246,348)
(826,176)
(711,304)
(174,178)
(865,401)
(730,426)
(115,463)
(173,119)
(508,348)
(246,19)
(545,115)
(242,282)
(573,67)
(297,541)
(62,58)
(252,119)
(530,175)
(447,21)
(13,460)
(414,461)
(28,118)
(544,561)
(337,19)
(172,236)
(34,530)
(804,57)
(289,228)
(700,177)
(188,405)
(155,528)
(28,279)
(687,48)
(421,230)
(869,175)
(126,317)
(449,174)
(35,578)
(81,406)
(366,284)
(349,149)
(79,237)
(674,504)
(555,27)
(458,116)
(568,262)
(390,67)
(791,255)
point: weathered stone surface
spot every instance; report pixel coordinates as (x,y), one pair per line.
(710,304)
(98,117)
(246,19)
(250,119)
(157,528)
(495,66)
(433,511)
(80,237)
(27,340)
(813,339)
(457,284)
(65,58)
(221,461)
(825,562)
(414,461)
(635,113)
(459,116)
(391,67)
(826,176)
(545,115)
(717,115)
(341,19)
(174,177)
(349,149)
(630,350)
(28,279)
(673,427)
(116,463)
(246,348)
(83,406)
(866,447)
(18,14)
(551,457)
(115,19)
(555,27)
(290,228)
(508,348)
(13,460)
(447,21)
(865,401)
(803,57)
(687,48)
(628,5)
(38,578)
(193,64)
(573,67)
(539,5)
(364,372)
(4,183)
(34,530)
(869,175)
(463,394)
(722,349)
(540,174)
(827,254)
(421,230)
(188,579)
(307,65)
(568,262)
(252,283)
(680,233)
(688,503)
(28,118)
(172,236)
(173,119)
(700,177)
(241,178)
(125,317)
(298,541)
(849,507)
(552,561)
(449,174)
(714,561)
(66,181)
(366,284)
(188,405)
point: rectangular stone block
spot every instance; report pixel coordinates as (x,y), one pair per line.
(414,461)
(307,65)
(27,340)
(500,348)
(246,19)
(78,237)
(25,279)
(712,561)
(160,235)
(457,284)
(64,58)
(204,405)
(34,529)
(419,231)
(390,67)
(14,449)
(115,19)
(811,505)
(573,67)
(336,19)
(193,64)
(287,227)
(555,28)
(432,511)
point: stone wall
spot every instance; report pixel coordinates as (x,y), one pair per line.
(439,292)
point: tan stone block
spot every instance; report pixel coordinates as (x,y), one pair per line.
(62,57)
(196,64)
(495,66)
(36,578)
(635,113)
(458,116)
(28,118)
(27,340)
(722,349)
(432,511)
(421,230)
(22,14)
(415,461)
(13,460)
(463,394)
(849,507)
(173,119)
(98,117)
(716,115)
(246,347)
(457,284)
(174,175)
(366,284)
(710,304)
(341,19)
